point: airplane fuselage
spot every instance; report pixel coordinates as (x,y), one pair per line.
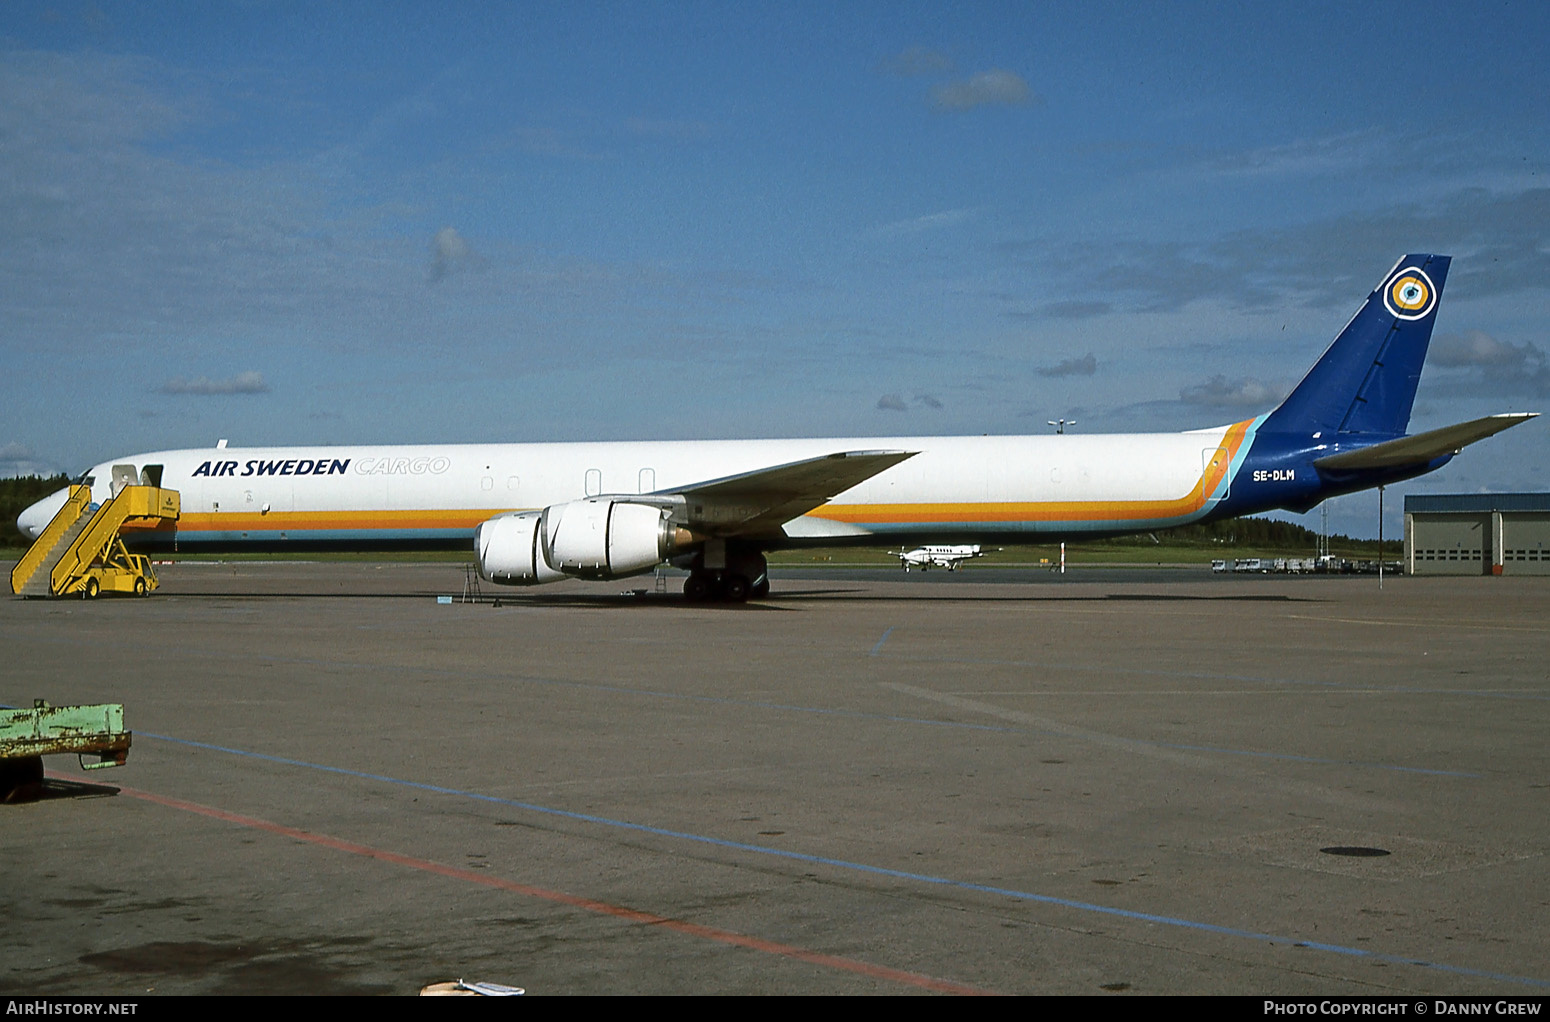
(1005,488)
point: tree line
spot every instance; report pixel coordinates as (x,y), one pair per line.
(15,495)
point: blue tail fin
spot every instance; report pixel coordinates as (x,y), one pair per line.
(1365,382)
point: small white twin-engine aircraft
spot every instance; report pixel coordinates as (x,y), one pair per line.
(948,557)
(535,513)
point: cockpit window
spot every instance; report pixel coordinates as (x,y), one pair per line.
(84,479)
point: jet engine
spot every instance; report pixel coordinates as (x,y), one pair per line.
(509,552)
(596,538)
(605,537)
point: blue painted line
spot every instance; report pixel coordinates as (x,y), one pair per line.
(861,867)
(879,647)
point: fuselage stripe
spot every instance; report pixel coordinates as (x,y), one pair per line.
(1210,482)
(297,524)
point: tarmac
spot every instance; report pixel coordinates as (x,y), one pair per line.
(1108,782)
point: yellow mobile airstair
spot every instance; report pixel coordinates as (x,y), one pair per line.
(82,551)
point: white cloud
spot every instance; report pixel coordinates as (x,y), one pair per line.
(1308,156)
(1482,364)
(1073,309)
(920,399)
(918,60)
(1496,238)
(1478,348)
(1087,365)
(565,144)
(1220,392)
(988,88)
(249,382)
(928,222)
(450,254)
(17,459)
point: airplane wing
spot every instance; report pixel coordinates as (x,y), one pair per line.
(1423,447)
(760,502)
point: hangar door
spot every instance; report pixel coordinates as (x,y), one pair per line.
(1451,544)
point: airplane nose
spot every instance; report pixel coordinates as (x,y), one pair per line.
(35,519)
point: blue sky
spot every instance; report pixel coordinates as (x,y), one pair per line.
(377,222)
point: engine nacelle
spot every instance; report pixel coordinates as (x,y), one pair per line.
(604,537)
(509,553)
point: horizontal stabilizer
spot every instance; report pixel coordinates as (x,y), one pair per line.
(1423,447)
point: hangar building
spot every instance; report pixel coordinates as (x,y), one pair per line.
(1477,534)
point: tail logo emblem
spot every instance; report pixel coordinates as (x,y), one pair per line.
(1410,295)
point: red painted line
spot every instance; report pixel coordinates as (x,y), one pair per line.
(560,897)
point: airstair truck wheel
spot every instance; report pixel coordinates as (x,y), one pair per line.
(140,589)
(92,588)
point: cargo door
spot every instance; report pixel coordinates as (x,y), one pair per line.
(1214,482)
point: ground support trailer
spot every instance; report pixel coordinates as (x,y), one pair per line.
(26,736)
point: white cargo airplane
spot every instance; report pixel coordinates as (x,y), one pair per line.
(948,557)
(535,513)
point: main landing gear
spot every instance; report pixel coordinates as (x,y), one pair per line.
(746,576)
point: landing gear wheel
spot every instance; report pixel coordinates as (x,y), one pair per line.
(698,588)
(140,587)
(734,588)
(21,780)
(93,587)
(761,589)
